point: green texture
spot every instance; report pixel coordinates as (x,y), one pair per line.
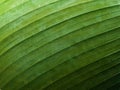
(59,44)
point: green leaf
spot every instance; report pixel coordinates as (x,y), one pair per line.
(59,44)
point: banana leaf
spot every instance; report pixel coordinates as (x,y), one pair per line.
(59,44)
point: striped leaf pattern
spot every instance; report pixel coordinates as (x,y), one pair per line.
(60,44)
